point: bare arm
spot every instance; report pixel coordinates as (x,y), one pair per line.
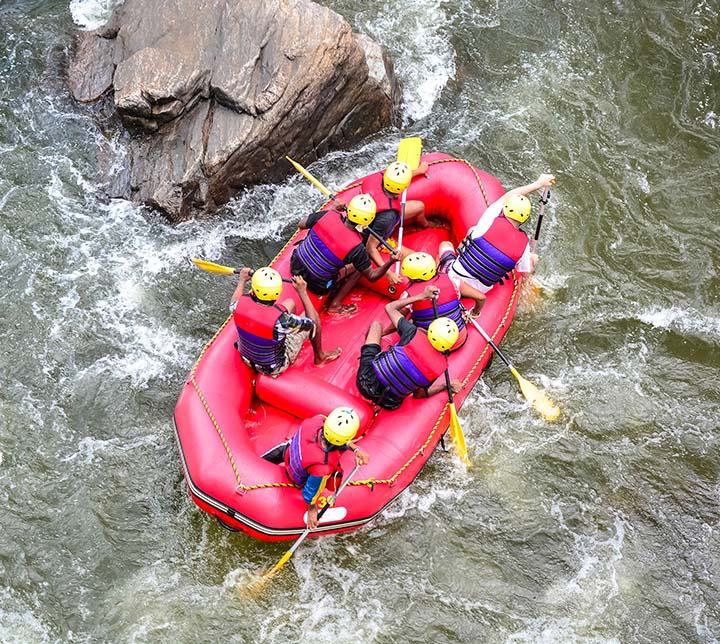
(468,291)
(244,278)
(420,170)
(437,387)
(361,456)
(543,181)
(372,250)
(374,274)
(374,253)
(394,309)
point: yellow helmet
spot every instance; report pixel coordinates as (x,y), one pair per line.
(419,266)
(361,210)
(443,334)
(341,425)
(266,284)
(517,207)
(397,177)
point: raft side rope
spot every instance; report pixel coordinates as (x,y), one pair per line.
(368,482)
(391,481)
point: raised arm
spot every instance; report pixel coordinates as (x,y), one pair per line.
(543,181)
(245,274)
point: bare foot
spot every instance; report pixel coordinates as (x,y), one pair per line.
(342,309)
(328,356)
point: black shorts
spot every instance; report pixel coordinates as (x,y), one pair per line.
(313,285)
(367,381)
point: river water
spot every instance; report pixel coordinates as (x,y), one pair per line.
(601,528)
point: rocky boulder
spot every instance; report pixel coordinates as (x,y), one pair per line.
(215,93)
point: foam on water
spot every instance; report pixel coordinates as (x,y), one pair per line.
(684,320)
(91,14)
(587,594)
(19,622)
(89,447)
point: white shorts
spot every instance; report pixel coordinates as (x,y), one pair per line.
(470,281)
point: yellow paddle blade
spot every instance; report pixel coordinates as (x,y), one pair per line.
(309,177)
(283,560)
(256,584)
(537,398)
(456,433)
(211,267)
(409,151)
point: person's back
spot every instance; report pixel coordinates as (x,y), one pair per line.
(270,335)
(413,364)
(334,249)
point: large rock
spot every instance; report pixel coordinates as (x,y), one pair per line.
(216,92)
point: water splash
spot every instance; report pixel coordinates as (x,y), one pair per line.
(92,14)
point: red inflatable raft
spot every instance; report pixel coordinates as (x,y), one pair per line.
(228,416)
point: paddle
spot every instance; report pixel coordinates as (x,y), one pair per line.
(312,179)
(326,191)
(456,432)
(409,151)
(543,200)
(400,232)
(286,557)
(211,267)
(536,397)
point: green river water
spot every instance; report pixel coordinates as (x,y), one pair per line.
(601,528)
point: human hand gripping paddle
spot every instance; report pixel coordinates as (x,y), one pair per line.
(533,282)
(543,200)
(257,585)
(536,397)
(326,191)
(456,432)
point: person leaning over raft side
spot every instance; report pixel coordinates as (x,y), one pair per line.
(312,456)
(413,364)
(333,242)
(496,245)
(270,335)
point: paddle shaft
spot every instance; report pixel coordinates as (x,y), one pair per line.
(543,200)
(329,504)
(212,267)
(484,334)
(447,370)
(383,243)
(316,182)
(402,224)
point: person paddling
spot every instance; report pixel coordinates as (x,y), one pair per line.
(496,245)
(334,241)
(413,364)
(312,456)
(270,335)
